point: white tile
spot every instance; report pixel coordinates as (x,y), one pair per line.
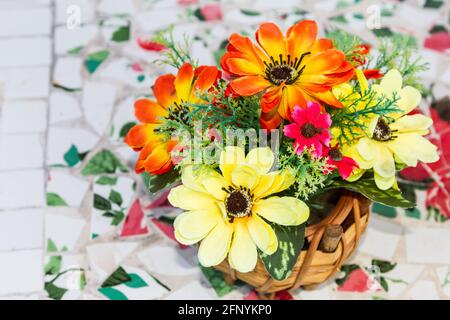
(98,102)
(381,238)
(71,189)
(119,70)
(444,279)
(21,229)
(424,290)
(23,52)
(68,39)
(63,226)
(192,291)
(21,272)
(23,4)
(151,20)
(21,151)
(63,107)
(68,72)
(24,116)
(19,189)
(427,245)
(63,11)
(28,22)
(61,139)
(116,7)
(25,83)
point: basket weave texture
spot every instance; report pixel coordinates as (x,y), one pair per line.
(313,265)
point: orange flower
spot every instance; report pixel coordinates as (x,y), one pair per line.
(288,70)
(171,92)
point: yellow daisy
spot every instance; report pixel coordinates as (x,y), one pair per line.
(225,211)
(398,140)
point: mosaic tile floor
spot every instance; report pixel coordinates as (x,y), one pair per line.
(76,222)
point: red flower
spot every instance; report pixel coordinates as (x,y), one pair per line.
(357,281)
(310,128)
(150,45)
(438,193)
(344,165)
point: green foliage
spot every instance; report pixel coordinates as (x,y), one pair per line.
(155,183)
(176,54)
(103,162)
(310,171)
(55,200)
(351,122)
(347,43)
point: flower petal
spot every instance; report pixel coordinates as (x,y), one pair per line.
(243,254)
(249,85)
(188,199)
(215,246)
(271,39)
(207,76)
(392,82)
(384,183)
(286,211)
(262,234)
(193,226)
(164,90)
(243,67)
(367,148)
(416,123)
(301,38)
(245,176)
(411,147)
(261,158)
(214,184)
(230,157)
(148,111)
(183,82)
(140,134)
(384,162)
(409,99)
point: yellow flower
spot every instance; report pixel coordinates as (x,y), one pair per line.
(225,211)
(398,140)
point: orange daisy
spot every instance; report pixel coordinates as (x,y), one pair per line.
(289,70)
(171,93)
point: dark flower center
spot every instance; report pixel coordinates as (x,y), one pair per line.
(308,130)
(179,112)
(238,203)
(335,154)
(382,131)
(284,70)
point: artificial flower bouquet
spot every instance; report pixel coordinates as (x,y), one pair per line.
(250,149)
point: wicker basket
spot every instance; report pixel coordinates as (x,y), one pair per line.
(313,265)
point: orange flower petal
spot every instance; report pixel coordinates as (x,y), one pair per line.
(271,99)
(329,98)
(271,120)
(271,39)
(243,67)
(322,45)
(164,90)
(324,62)
(159,160)
(207,76)
(183,82)
(249,85)
(295,97)
(148,111)
(301,37)
(141,134)
(248,50)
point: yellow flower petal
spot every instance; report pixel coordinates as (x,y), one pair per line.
(392,82)
(384,183)
(190,178)
(409,99)
(410,148)
(243,254)
(193,226)
(214,184)
(266,182)
(416,123)
(214,248)
(262,234)
(384,163)
(230,157)
(355,175)
(286,211)
(245,176)
(188,199)
(261,158)
(367,148)
(363,84)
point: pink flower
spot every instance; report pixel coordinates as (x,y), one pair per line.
(310,128)
(211,12)
(344,165)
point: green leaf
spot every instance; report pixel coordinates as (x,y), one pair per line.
(118,217)
(94,60)
(136,281)
(54,292)
(384,266)
(106,181)
(198,13)
(51,246)
(83,281)
(367,187)
(383,32)
(112,294)
(122,34)
(108,214)
(60,86)
(157,183)
(75,50)
(250,12)
(290,243)
(54,200)
(72,157)
(103,162)
(115,197)
(217,281)
(101,203)
(384,284)
(125,128)
(385,211)
(118,277)
(53,265)
(412,213)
